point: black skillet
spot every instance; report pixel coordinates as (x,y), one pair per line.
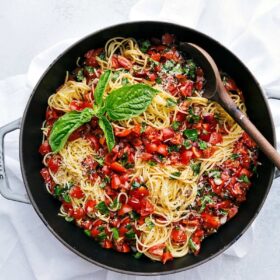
(47,207)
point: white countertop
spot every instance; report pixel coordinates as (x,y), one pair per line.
(28,27)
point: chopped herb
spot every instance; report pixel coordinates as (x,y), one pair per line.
(243,178)
(188,144)
(135,184)
(158,80)
(58,191)
(102,208)
(128,226)
(171,102)
(175,125)
(130,234)
(223,212)
(174,148)
(115,204)
(115,75)
(115,233)
(124,159)
(191,134)
(177,69)
(149,223)
(254,169)
(68,219)
(107,179)
(168,65)
(80,75)
(192,245)
(87,232)
(235,156)
(145,46)
(160,157)
(125,81)
(89,69)
(202,145)
(101,228)
(101,236)
(143,127)
(99,160)
(193,118)
(190,69)
(66,197)
(195,168)
(215,174)
(152,163)
(102,185)
(134,215)
(175,175)
(204,201)
(102,56)
(138,255)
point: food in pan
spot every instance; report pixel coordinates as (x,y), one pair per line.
(137,157)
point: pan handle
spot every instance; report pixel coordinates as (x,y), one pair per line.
(277,172)
(5,188)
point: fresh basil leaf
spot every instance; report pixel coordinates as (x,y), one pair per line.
(138,255)
(152,163)
(108,132)
(115,233)
(243,178)
(204,201)
(67,124)
(175,175)
(174,148)
(89,69)
(187,144)
(99,160)
(191,134)
(128,101)
(235,156)
(158,80)
(100,88)
(130,234)
(87,232)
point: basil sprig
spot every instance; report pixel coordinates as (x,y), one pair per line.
(121,104)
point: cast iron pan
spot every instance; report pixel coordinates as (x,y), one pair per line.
(47,207)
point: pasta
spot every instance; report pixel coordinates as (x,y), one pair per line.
(177,171)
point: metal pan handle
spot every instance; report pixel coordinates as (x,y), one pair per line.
(5,188)
(277,172)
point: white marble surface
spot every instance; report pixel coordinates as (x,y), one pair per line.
(26,28)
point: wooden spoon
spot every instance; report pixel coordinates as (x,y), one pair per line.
(215,90)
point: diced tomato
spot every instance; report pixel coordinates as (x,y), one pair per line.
(167,133)
(115,182)
(140,192)
(91,57)
(151,147)
(155,56)
(245,172)
(215,138)
(152,76)
(230,84)
(248,141)
(76,192)
(146,156)
(124,62)
(124,209)
(125,248)
(87,224)
(90,206)
(134,202)
(207,153)
(46,175)
(53,163)
(78,213)
(162,149)
(196,152)
(93,142)
(232,212)
(177,139)
(210,221)
(186,90)
(166,256)
(45,148)
(178,236)
(180,117)
(186,156)
(107,244)
(147,207)
(157,250)
(95,231)
(115,62)
(51,114)
(117,167)
(78,105)
(123,133)
(167,39)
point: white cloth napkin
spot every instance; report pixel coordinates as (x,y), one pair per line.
(28,249)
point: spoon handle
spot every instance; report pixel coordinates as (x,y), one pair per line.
(229,105)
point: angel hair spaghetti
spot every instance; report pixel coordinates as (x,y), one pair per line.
(138,158)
